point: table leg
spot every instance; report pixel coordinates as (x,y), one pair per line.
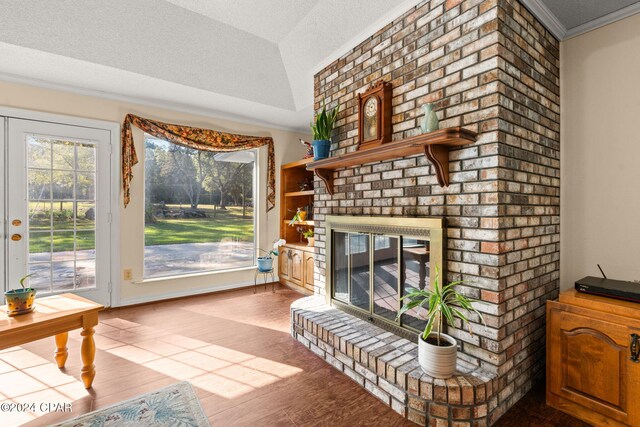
(61,349)
(88,352)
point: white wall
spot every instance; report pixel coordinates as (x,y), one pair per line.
(600,153)
(287,149)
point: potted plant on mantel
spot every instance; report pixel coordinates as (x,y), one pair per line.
(265,263)
(438,352)
(20,301)
(322,127)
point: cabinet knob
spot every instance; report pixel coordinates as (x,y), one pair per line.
(634,347)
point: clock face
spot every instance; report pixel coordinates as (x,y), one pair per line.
(370,128)
(371,107)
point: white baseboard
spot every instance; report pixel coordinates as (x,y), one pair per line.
(184,293)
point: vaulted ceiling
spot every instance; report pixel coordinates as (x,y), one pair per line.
(249,60)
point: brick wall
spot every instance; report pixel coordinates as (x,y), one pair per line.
(491,67)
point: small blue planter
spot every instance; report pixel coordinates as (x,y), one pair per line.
(321,148)
(265,264)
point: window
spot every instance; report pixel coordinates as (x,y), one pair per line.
(199,209)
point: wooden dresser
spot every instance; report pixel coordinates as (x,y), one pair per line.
(591,346)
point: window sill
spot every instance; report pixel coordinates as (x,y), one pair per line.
(187,276)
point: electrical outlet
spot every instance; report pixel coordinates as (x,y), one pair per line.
(127,275)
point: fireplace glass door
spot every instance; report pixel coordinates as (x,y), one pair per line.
(371,272)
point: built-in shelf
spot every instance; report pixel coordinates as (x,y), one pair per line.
(310,223)
(435,146)
(299,193)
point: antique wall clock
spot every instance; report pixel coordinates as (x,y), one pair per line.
(374,115)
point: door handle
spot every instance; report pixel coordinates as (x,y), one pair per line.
(634,347)
(16,223)
(16,237)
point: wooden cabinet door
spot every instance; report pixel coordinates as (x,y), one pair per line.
(309,268)
(284,265)
(296,267)
(589,367)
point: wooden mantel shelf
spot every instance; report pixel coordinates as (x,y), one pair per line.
(435,145)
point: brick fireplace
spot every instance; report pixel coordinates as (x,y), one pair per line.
(489,67)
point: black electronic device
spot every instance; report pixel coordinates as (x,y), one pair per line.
(620,289)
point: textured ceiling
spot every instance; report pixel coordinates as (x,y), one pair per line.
(249,60)
(252,60)
(573,13)
(270,19)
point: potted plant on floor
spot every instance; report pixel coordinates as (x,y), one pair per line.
(20,301)
(321,128)
(438,352)
(265,263)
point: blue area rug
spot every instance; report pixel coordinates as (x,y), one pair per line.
(175,406)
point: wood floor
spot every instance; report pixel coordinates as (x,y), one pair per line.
(236,350)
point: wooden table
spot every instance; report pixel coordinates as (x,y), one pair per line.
(55,316)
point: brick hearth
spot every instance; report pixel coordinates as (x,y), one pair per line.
(387,366)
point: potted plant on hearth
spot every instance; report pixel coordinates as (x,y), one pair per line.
(438,352)
(265,263)
(321,128)
(20,301)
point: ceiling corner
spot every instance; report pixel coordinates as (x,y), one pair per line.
(546,18)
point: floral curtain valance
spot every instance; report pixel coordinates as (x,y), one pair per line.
(196,138)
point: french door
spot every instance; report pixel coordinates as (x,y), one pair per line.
(57,208)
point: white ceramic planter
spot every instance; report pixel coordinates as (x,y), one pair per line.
(437,361)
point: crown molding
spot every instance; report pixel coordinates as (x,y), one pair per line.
(610,18)
(546,17)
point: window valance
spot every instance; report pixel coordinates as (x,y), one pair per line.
(196,138)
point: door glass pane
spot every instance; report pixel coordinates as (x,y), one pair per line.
(85,186)
(39,153)
(359,257)
(64,157)
(340,267)
(62,214)
(86,160)
(41,278)
(415,274)
(85,213)
(85,272)
(40,246)
(39,184)
(61,230)
(63,245)
(385,276)
(62,185)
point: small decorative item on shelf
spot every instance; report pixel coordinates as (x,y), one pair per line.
(309,236)
(321,128)
(307,184)
(430,120)
(438,352)
(265,263)
(20,301)
(309,147)
(301,215)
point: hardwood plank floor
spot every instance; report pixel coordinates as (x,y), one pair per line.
(234,347)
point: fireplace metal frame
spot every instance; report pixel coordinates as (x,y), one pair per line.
(427,228)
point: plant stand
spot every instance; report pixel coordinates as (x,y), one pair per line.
(264,279)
